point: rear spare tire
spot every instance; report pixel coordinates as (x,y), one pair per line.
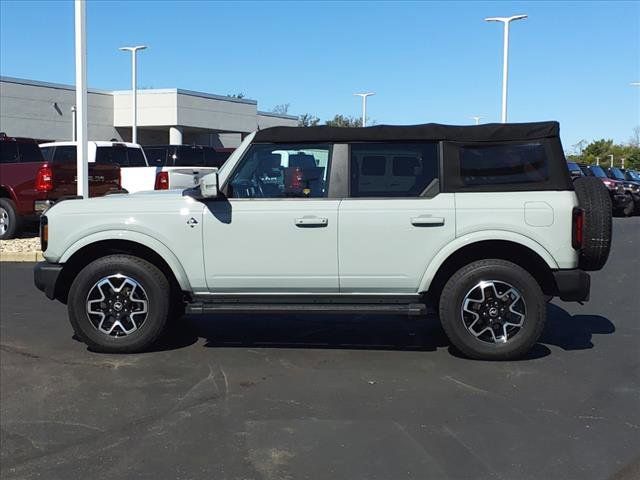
(595,201)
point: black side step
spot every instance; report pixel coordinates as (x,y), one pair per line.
(335,308)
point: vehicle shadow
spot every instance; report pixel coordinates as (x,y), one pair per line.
(365,332)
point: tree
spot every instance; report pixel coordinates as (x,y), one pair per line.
(281,109)
(236,95)
(600,151)
(308,120)
(344,121)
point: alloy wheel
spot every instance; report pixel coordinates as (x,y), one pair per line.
(493,311)
(4,221)
(117,305)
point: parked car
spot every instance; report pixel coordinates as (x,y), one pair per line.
(31,183)
(631,187)
(574,170)
(621,200)
(483,222)
(137,174)
(186,155)
(632,175)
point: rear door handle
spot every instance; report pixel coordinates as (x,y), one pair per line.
(312,221)
(427,221)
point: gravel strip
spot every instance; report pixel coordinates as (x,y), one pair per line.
(20,245)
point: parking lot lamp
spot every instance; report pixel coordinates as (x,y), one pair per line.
(364,106)
(611,157)
(477,118)
(505,57)
(82,165)
(134,91)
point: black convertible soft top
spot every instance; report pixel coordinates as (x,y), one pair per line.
(489,132)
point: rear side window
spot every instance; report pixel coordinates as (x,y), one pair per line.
(213,158)
(30,152)
(392,169)
(116,155)
(503,164)
(9,152)
(156,157)
(65,154)
(189,157)
(47,153)
(135,157)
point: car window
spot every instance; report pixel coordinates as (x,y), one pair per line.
(392,169)
(115,155)
(212,158)
(136,157)
(616,173)
(30,152)
(503,164)
(47,153)
(189,157)
(282,171)
(156,157)
(9,152)
(64,154)
(597,171)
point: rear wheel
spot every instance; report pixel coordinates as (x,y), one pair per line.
(119,303)
(10,221)
(492,310)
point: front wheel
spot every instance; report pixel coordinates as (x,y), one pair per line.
(119,304)
(492,310)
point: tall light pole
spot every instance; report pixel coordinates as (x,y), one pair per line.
(82,146)
(505,57)
(134,90)
(364,106)
(477,118)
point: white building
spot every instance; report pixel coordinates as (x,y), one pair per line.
(43,111)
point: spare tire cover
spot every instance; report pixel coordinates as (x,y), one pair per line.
(594,199)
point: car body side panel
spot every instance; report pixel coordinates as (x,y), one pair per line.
(170,224)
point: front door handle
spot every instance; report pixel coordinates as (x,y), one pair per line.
(311,221)
(427,221)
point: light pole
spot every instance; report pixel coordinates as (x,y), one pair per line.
(611,156)
(364,106)
(134,91)
(82,146)
(477,118)
(505,57)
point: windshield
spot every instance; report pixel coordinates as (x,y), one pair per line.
(231,161)
(617,174)
(598,171)
(633,175)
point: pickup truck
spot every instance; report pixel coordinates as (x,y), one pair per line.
(137,174)
(31,183)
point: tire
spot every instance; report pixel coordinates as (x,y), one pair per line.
(10,221)
(137,330)
(479,340)
(594,199)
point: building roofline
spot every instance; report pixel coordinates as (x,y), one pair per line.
(59,86)
(277,115)
(191,93)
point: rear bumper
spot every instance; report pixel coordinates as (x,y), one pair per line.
(572,285)
(45,277)
(41,206)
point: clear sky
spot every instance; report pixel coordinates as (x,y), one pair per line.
(426,61)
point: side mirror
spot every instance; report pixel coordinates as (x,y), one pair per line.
(210,185)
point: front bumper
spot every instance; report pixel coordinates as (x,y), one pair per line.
(621,200)
(45,277)
(572,285)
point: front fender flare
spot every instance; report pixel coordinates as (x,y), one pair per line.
(136,237)
(476,237)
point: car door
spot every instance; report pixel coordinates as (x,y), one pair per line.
(395,219)
(275,227)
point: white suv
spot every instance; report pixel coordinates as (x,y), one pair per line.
(483,222)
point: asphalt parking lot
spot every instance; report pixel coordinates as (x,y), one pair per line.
(294,397)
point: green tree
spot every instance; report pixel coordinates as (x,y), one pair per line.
(236,95)
(281,109)
(308,120)
(344,121)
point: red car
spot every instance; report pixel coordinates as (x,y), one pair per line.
(29,184)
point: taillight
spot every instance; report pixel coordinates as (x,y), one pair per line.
(44,232)
(44,179)
(577,228)
(162,181)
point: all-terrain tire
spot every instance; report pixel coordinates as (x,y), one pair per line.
(154,285)
(11,221)
(594,199)
(466,280)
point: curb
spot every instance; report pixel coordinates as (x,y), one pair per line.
(33,256)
